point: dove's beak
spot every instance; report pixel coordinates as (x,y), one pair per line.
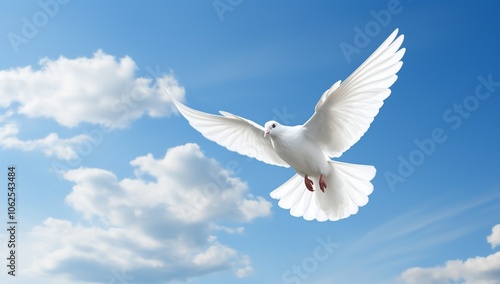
(266,133)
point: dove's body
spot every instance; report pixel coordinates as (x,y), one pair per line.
(342,115)
(297,149)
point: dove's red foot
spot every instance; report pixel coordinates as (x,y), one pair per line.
(322,183)
(309,183)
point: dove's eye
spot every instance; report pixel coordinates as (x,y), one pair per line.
(274,125)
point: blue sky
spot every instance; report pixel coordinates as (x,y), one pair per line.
(115,187)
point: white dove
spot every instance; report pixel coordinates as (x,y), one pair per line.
(342,115)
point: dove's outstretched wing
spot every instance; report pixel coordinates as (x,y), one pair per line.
(346,110)
(233,132)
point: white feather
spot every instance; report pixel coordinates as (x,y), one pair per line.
(348,188)
(233,132)
(345,111)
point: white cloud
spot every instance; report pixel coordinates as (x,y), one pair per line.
(238,230)
(245,268)
(99,90)
(159,225)
(214,255)
(51,145)
(477,270)
(494,238)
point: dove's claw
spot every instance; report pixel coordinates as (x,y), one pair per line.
(322,183)
(309,183)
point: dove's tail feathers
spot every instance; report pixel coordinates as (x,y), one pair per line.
(348,187)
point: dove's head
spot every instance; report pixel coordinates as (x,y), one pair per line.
(271,127)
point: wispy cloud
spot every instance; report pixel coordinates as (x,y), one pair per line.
(383,252)
(51,145)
